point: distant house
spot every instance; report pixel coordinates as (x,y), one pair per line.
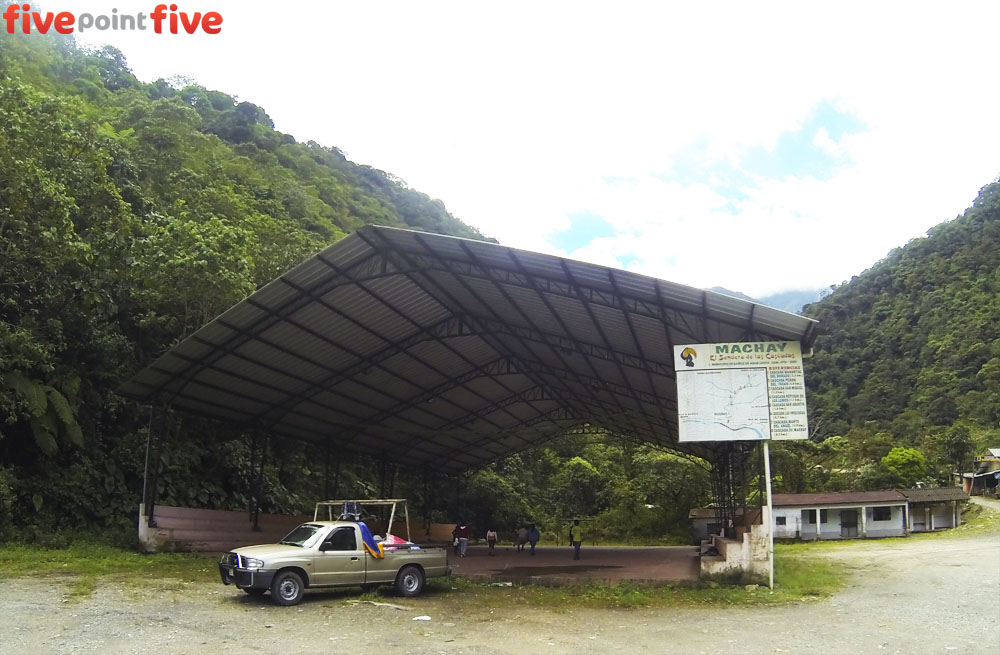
(985,476)
(934,509)
(703,523)
(866,514)
(839,515)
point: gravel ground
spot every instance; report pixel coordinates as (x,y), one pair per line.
(904,596)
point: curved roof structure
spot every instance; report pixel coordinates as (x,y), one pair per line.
(448,353)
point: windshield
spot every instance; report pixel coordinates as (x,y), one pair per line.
(306,535)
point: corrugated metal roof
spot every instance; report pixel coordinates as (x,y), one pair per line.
(934,495)
(836,498)
(449,353)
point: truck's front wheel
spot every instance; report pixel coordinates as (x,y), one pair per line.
(286,588)
(409,581)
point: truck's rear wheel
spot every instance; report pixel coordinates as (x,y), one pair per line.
(286,588)
(409,581)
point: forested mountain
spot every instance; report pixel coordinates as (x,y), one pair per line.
(909,358)
(130,214)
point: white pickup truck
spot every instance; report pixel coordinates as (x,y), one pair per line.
(332,554)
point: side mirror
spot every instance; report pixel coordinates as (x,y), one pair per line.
(325,546)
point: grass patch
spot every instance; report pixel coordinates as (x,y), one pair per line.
(87,563)
(83,587)
(801,573)
(799,576)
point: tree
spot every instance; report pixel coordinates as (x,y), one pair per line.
(907,465)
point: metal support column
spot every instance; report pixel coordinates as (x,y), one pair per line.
(729,484)
(258,484)
(155,437)
(326,472)
(381,476)
(426,508)
(336,479)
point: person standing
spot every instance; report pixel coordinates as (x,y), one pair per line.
(533,537)
(522,538)
(491,539)
(576,537)
(462,532)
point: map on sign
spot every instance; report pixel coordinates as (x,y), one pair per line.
(740,391)
(729,400)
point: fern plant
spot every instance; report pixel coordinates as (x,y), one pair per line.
(49,412)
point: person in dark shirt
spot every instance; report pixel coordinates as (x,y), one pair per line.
(533,537)
(462,532)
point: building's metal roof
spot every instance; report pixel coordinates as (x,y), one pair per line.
(826,498)
(450,353)
(935,495)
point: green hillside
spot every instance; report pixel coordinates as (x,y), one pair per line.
(131,214)
(909,357)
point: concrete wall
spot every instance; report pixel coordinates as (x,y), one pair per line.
(793,523)
(211,530)
(893,527)
(743,559)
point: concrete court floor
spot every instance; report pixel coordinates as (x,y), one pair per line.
(554,565)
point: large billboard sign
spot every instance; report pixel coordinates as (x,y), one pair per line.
(740,391)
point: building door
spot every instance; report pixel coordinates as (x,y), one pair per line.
(849,523)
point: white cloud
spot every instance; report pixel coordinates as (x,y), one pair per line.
(518,114)
(825,142)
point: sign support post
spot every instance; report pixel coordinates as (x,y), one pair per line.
(742,391)
(768,518)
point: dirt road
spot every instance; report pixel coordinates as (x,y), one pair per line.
(904,596)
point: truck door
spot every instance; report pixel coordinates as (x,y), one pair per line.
(340,560)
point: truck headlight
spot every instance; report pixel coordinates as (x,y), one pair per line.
(253,564)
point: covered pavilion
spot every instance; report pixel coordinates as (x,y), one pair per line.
(446,354)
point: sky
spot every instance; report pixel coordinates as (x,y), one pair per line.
(760,146)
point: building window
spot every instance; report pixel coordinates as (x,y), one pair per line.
(779,520)
(811,516)
(882,513)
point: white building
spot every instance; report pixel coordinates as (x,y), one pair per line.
(840,515)
(933,509)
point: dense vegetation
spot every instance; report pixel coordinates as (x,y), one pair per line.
(905,382)
(132,213)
